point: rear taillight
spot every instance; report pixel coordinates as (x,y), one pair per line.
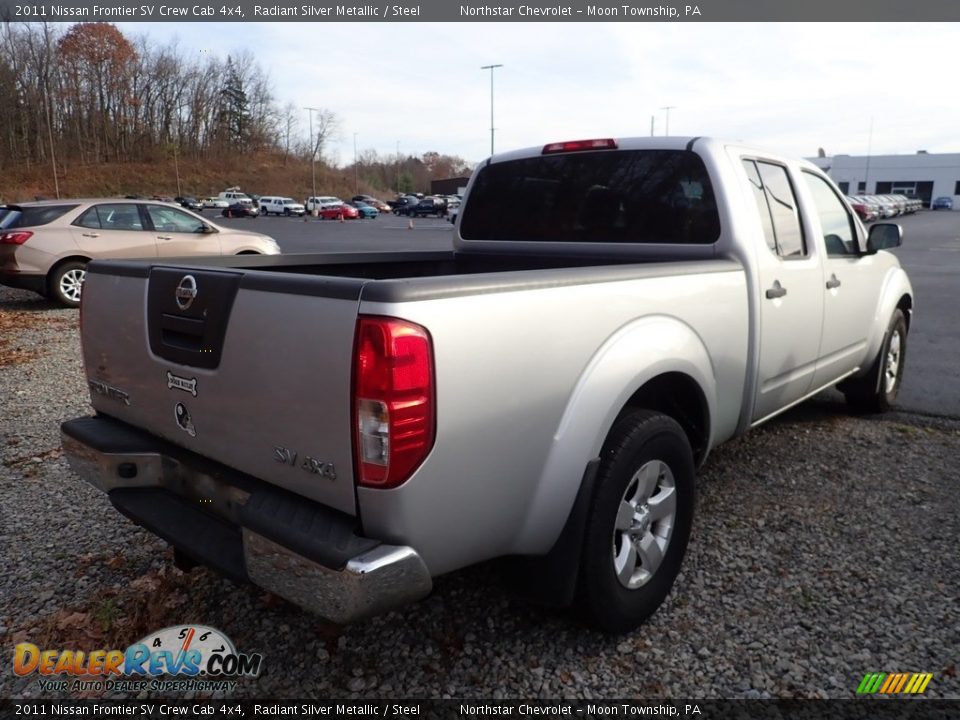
(393,400)
(578,145)
(15,237)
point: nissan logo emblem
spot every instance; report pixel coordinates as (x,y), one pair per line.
(186,292)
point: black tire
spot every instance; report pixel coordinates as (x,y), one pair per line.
(643,444)
(66,283)
(876,391)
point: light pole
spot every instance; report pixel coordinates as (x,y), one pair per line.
(668,108)
(176,148)
(176,167)
(313,155)
(398,168)
(491,69)
(356,182)
(53,157)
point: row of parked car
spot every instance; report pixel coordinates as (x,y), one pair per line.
(879,207)
(419,206)
(233,203)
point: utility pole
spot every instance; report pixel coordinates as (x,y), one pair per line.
(53,157)
(176,143)
(313,154)
(491,68)
(668,108)
(398,168)
(356,181)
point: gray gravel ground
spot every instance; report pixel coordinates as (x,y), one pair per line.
(825,548)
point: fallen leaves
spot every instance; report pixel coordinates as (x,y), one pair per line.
(13,323)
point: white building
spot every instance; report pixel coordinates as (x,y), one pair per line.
(924,175)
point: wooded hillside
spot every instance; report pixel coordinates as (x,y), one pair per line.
(88,111)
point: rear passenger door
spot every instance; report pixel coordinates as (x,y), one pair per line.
(113,230)
(791,300)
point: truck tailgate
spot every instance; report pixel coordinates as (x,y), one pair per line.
(221,363)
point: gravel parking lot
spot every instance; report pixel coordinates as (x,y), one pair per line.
(825,548)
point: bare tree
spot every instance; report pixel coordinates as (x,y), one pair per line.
(287,126)
(326,125)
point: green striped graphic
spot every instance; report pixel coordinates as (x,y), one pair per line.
(871,683)
(894,683)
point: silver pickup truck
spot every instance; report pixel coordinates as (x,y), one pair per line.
(341,428)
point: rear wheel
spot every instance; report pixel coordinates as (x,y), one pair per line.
(66,283)
(877,390)
(639,522)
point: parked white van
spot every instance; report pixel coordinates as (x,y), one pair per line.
(321,201)
(280,206)
(233,194)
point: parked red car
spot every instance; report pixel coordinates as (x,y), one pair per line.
(335,212)
(867,213)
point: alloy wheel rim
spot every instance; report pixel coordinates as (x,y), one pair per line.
(892,369)
(71,284)
(644,524)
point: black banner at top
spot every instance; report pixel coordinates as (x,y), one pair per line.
(478,11)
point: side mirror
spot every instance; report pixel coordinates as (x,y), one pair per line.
(884,236)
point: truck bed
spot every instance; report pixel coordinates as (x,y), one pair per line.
(436,274)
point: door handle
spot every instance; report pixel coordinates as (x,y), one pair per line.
(833,282)
(164,237)
(777,291)
(91,234)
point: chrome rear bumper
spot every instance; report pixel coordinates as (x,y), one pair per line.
(217,517)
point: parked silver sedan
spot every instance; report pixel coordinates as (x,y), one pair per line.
(45,246)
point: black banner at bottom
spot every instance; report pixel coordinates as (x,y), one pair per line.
(860,709)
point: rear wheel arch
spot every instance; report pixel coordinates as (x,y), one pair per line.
(678,396)
(553,578)
(905,305)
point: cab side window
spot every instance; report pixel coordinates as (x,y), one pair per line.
(839,234)
(777,206)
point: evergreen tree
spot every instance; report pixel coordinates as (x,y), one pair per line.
(234,108)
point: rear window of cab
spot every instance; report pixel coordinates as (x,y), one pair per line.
(620,196)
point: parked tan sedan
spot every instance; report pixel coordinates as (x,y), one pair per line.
(45,246)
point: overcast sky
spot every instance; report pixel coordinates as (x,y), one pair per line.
(792,87)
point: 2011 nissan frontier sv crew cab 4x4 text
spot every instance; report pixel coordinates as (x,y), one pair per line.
(356,424)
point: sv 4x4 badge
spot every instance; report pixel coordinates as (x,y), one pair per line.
(309,464)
